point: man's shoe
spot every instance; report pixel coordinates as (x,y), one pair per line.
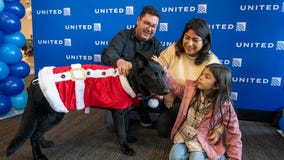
(145,121)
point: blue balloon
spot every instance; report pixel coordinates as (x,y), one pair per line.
(20,69)
(19,101)
(2,39)
(4,70)
(281,123)
(10,53)
(16,38)
(2,5)
(15,7)
(5,104)
(9,22)
(12,85)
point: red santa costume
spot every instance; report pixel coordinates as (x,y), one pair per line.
(79,86)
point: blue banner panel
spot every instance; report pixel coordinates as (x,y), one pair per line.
(248,37)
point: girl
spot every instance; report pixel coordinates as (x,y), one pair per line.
(205,106)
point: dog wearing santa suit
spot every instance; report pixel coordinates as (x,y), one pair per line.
(59,90)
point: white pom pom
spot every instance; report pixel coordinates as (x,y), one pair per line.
(153,103)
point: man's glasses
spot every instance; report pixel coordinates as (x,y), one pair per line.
(149,25)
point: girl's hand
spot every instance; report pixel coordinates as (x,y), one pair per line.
(155,58)
(213,137)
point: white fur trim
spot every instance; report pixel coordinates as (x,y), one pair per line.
(126,86)
(49,90)
(79,87)
(153,103)
(101,73)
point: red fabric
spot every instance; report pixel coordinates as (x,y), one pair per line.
(137,101)
(100,92)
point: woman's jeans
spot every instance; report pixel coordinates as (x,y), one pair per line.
(179,152)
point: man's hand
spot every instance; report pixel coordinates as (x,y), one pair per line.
(123,66)
(169,99)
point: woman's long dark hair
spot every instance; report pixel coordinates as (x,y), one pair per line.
(201,27)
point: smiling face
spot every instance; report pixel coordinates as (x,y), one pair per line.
(207,81)
(192,43)
(146,27)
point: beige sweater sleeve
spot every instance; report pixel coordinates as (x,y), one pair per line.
(167,57)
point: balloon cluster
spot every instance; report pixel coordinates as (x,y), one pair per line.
(12,68)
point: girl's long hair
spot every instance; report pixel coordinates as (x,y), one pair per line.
(221,96)
(201,27)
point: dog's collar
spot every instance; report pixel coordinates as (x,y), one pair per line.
(126,86)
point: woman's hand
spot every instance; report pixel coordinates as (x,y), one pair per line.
(169,99)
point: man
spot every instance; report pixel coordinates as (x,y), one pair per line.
(122,48)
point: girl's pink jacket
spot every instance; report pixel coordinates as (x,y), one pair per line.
(232,139)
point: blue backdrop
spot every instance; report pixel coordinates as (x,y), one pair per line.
(248,37)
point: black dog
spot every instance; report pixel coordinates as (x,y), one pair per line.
(146,78)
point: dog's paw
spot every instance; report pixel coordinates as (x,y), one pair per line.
(131,139)
(9,152)
(127,150)
(47,144)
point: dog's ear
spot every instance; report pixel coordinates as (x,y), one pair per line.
(140,60)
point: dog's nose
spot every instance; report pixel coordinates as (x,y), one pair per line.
(166,91)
